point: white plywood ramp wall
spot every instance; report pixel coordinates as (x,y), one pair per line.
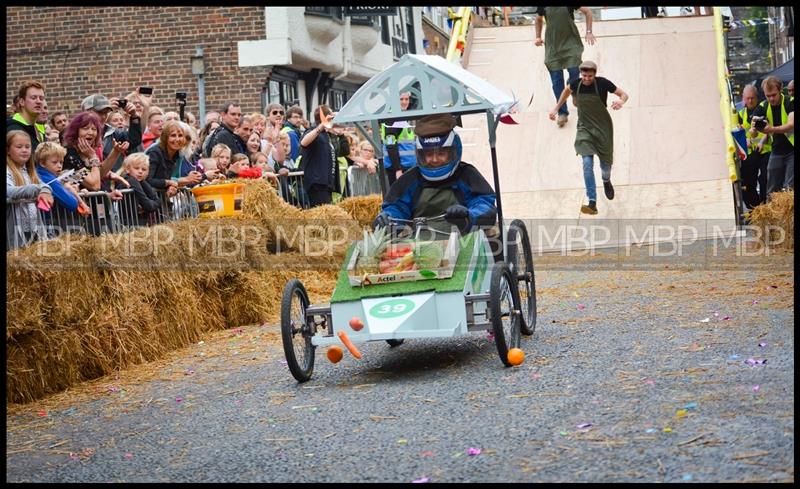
(669,147)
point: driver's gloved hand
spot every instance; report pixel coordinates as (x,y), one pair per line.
(458,215)
(381,221)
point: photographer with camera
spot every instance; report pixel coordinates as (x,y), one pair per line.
(775,117)
(100,105)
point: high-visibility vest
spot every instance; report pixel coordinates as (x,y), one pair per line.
(406,145)
(746,124)
(784,117)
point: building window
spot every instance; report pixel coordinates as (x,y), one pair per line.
(386,37)
(399,47)
(337,99)
(332,12)
(370,20)
(281,90)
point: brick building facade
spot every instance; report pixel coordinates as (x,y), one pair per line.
(77,51)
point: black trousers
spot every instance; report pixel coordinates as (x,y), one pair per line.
(754,179)
(319,195)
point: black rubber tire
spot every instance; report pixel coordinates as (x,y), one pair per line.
(301,368)
(504,299)
(394,342)
(518,235)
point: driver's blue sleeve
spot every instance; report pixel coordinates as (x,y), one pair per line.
(479,197)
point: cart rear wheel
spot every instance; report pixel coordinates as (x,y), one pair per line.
(504,310)
(520,260)
(296,332)
(394,342)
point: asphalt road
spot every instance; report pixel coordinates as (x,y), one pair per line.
(624,381)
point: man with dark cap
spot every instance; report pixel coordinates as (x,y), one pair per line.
(595,135)
(112,136)
(440,183)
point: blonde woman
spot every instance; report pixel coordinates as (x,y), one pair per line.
(173,144)
(365,158)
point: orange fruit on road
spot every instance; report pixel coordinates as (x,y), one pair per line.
(335,353)
(356,323)
(516,356)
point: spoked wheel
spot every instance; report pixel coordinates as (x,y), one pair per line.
(504,310)
(296,332)
(394,342)
(520,260)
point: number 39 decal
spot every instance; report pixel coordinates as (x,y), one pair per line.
(392,308)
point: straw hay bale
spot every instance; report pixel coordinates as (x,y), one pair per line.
(363,208)
(81,307)
(776,214)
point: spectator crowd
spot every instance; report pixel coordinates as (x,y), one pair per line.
(56,161)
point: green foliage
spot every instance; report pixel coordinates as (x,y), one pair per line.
(758,34)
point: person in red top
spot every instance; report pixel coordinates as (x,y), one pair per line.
(155,124)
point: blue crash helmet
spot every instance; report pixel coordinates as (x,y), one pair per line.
(438,155)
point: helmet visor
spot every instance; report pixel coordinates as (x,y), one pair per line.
(436,151)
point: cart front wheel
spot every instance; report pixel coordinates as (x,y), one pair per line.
(520,260)
(295,331)
(504,310)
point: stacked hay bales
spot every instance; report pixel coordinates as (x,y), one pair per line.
(774,216)
(82,307)
(363,209)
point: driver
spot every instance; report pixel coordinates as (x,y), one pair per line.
(440,183)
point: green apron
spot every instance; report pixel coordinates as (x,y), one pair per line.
(595,134)
(563,47)
(434,202)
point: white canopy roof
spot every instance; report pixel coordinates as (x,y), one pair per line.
(436,85)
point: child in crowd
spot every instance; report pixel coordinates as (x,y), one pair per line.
(240,168)
(222,155)
(260,160)
(49,158)
(22,182)
(208,166)
(135,169)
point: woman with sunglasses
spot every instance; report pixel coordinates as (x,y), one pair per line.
(275,116)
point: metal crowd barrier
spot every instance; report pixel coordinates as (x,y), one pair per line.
(361,182)
(26,230)
(182,205)
(290,188)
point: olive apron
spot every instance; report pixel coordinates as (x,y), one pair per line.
(434,201)
(595,135)
(563,47)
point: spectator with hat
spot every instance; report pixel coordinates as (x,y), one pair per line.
(112,136)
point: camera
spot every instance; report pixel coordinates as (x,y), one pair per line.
(122,102)
(180,96)
(759,123)
(120,135)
